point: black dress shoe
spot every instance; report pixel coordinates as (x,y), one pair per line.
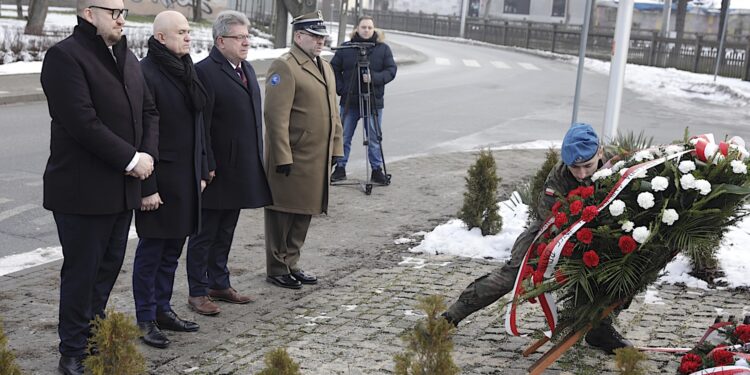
(284,281)
(169,321)
(606,338)
(152,335)
(71,365)
(304,278)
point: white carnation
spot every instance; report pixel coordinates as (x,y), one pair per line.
(659,183)
(673,149)
(669,216)
(641,234)
(602,173)
(618,166)
(643,155)
(687,182)
(686,166)
(617,207)
(703,186)
(646,200)
(627,226)
(642,173)
(622,171)
(738,167)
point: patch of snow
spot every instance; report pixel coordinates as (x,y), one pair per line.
(652,297)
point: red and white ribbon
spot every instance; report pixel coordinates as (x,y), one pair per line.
(724,370)
(706,148)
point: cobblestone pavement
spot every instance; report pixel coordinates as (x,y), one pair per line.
(352,321)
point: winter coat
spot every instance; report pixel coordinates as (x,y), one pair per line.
(234,143)
(382,70)
(303,129)
(182,159)
(102,113)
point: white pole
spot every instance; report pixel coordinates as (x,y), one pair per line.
(666,14)
(581,59)
(720,52)
(464,10)
(617,69)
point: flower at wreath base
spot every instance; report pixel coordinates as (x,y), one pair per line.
(646,200)
(722,357)
(673,149)
(703,186)
(560,277)
(641,234)
(738,167)
(690,363)
(659,183)
(669,216)
(584,235)
(626,244)
(561,219)
(643,155)
(576,207)
(743,333)
(540,249)
(602,173)
(567,249)
(617,207)
(589,213)
(687,182)
(686,166)
(628,226)
(591,259)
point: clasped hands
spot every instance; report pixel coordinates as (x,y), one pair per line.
(143,168)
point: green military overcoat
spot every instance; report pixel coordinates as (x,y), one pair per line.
(303,128)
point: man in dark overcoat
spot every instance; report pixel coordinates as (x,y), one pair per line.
(303,136)
(103,142)
(234,146)
(170,207)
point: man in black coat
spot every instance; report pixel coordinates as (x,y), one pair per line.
(382,70)
(170,207)
(234,146)
(104,136)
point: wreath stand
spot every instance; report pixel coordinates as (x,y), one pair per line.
(551,355)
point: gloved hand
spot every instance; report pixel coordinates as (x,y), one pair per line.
(284,169)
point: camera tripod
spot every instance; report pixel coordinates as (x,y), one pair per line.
(368,114)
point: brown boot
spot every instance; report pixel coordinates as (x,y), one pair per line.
(229,295)
(203,305)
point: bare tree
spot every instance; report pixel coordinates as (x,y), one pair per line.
(197,10)
(679,26)
(293,7)
(37,15)
(19,9)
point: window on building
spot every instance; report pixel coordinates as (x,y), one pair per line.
(558,8)
(517,6)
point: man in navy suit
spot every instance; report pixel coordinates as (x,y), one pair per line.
(234,146)
(170,207)
(103,142)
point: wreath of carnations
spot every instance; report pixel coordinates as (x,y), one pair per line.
(608,241)
(726,352)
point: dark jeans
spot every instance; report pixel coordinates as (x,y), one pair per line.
(208,251)
(153,275)
(93,249)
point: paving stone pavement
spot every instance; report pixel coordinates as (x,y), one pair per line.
(352,321)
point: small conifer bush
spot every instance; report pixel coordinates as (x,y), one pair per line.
(429,344)
(7,358)
(278,362)
(115,338)
(480,199)
(537,182)
(629,361)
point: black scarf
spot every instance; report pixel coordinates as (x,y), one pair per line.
(358,39)
(180,68)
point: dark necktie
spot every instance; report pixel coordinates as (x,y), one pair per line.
(239,71)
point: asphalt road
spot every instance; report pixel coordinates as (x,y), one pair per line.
(460,98)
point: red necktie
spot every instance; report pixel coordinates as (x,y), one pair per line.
(239,71)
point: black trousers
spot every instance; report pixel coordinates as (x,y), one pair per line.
(208,251)
(93,249)
(153,275)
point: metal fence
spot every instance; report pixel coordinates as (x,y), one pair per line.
(695,53)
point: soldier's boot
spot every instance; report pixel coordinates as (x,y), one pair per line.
(605,337)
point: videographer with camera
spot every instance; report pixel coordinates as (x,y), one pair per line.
(382,69)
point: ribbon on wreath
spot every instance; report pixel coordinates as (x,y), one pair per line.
(724,370)
(551,255)
(706,148)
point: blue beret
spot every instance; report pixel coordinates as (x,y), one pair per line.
(580,144)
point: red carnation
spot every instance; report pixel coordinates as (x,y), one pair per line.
(590,259)
(560,277)
(689,367)
(691,357)
(627,244)
(587,191)
(576,207)
(556,207)
(589,213)
(540,249)
(584,235)
(743,333)
(722,357)
(561,219)
(546,235)
(567,249)
(527,271)
(574,193)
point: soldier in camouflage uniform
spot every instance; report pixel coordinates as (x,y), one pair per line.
(581,157)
